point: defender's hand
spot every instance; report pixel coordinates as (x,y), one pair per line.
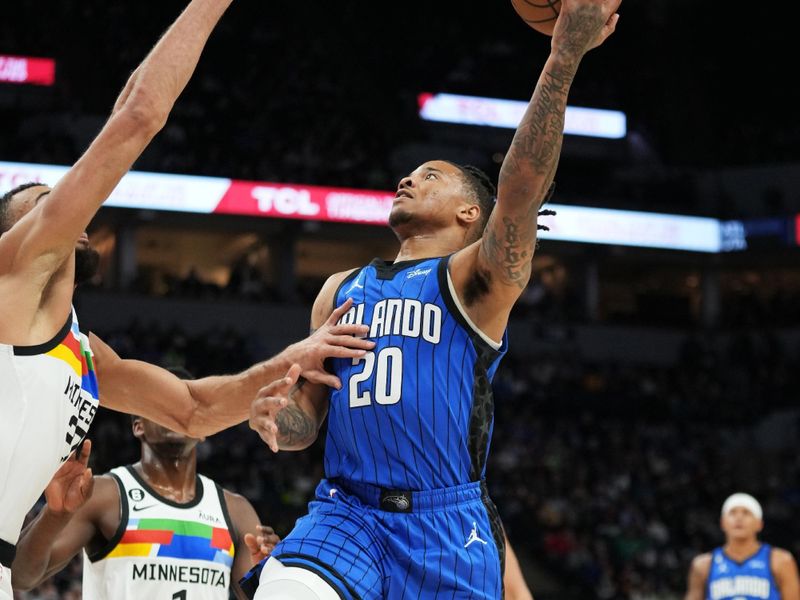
(72,484)
(269,402)
(261,544)
(329,341)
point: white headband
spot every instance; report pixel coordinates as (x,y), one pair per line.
(743,501)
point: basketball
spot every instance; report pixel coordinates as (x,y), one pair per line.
(539,14)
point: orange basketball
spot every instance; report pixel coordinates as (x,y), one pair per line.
(539,14)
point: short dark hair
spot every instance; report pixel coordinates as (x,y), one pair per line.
(486,193)
(179,372)
(482,188)
(5,201)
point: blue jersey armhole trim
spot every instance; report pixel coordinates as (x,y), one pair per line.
(452,308)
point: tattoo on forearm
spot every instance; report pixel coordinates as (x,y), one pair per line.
(509,243)
(537,142)
(509,246)
(294,426)
(531,163)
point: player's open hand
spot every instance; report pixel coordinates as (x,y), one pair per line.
(261,544)
(269,402)
(584,24)
(72,484)
(329,341)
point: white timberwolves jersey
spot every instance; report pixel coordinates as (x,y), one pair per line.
(163,550)
(48,399)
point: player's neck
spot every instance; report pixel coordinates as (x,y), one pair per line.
(741,549)
(428,245)
(170,476)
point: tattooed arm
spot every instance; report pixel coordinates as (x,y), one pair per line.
(490,275)
(288,413)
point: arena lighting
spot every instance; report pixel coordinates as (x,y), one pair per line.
(27,70)
(217,195)
(494,112)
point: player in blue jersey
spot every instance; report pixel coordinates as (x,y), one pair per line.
(404,511)
(744,568)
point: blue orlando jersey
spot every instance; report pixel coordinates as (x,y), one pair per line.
(748,580)
(417,412)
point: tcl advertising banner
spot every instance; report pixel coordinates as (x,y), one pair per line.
(218,195)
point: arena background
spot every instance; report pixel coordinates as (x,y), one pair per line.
(643,385)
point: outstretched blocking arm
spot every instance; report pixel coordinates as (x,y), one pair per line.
(288,413)
(46,236)
(698,576)
(205,406)
(501,261)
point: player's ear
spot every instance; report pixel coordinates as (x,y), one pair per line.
(137,426)
(469,214)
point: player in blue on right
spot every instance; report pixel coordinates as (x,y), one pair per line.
(744,568)
(403,511)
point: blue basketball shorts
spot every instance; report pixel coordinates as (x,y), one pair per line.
(371,543)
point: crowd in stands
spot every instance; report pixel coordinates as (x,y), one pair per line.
(609,476)
(281,95)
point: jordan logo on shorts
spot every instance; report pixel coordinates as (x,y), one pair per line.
(473,536)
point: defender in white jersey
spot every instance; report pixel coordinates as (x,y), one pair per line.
(49,392)
(155,529)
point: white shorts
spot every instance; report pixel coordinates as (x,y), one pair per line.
(5,584)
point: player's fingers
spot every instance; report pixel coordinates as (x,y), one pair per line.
(343,352)
(611,26)
(265,529)
(282,385)
(266,430)
(323,378)
(269,406)
(269,439)
(263,424)
(251,542)
(86,450)
(339,312)
(271,539)
(351,329)
(87,484)
(348,341)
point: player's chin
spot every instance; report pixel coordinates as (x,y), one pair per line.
(399,216)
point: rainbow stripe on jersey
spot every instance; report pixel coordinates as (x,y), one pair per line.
(74,350)
(171,538)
